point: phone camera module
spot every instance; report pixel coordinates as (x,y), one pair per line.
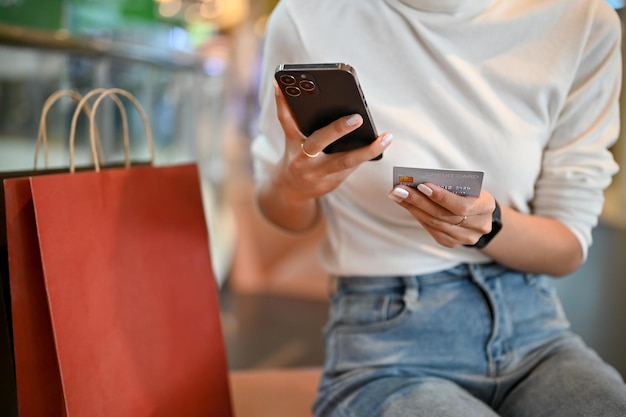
(307,85)
(288,79)
(293,91)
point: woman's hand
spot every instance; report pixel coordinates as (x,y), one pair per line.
(305,173)
(526,242)
(451,219)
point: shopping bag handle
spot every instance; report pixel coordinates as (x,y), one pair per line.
(42,135)
(96,145)
(146,124)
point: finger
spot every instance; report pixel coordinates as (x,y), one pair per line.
(462,212)
(456,205)
(446,234)
(326,135)
(374,149)
(292,132)
(442,232)
(409,196)
(447,228)
(351,159)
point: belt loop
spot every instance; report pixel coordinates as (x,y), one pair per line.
(411,291)
(530,278)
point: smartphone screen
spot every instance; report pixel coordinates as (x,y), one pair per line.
(319,94)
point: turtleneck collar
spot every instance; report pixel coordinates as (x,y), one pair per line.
(448,6)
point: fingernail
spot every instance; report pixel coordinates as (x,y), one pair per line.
(276,88)
(398,195)
(425,189)
(354,119)
(400,192)
(386,140)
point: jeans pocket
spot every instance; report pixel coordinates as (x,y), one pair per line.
(368,312)
(363,329)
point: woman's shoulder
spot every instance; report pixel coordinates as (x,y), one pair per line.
(587,18)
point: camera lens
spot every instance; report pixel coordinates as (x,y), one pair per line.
(293,91)
(307,85)
(288,79)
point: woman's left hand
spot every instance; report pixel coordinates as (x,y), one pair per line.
(451,219)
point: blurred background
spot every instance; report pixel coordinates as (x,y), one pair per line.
(194,66)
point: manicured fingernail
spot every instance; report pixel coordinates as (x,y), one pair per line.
(400,192)
(398,195)
(425,189)
(354,119)
(386,140)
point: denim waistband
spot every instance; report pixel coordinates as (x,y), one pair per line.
(458,272)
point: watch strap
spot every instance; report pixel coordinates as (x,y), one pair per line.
(496,226)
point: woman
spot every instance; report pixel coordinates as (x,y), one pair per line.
(442,303)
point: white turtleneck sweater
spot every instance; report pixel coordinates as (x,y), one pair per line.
(526,91)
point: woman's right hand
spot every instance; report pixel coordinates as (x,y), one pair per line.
(305,173)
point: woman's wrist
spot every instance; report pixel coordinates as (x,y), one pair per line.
(286,209)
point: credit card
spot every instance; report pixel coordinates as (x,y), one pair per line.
(466,183)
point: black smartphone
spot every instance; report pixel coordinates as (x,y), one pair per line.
(319,94)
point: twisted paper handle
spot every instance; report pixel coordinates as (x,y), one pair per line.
(114,92)
(42,135)
(96,146)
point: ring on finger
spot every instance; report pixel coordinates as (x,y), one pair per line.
(461,222)
(310,155)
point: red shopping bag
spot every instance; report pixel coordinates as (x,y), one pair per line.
(8,393)
(113,295)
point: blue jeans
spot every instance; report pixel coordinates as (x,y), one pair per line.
(475,340)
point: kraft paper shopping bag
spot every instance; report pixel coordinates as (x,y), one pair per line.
(8,394)
(125,285)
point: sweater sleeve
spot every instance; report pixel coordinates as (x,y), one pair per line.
(578,165)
